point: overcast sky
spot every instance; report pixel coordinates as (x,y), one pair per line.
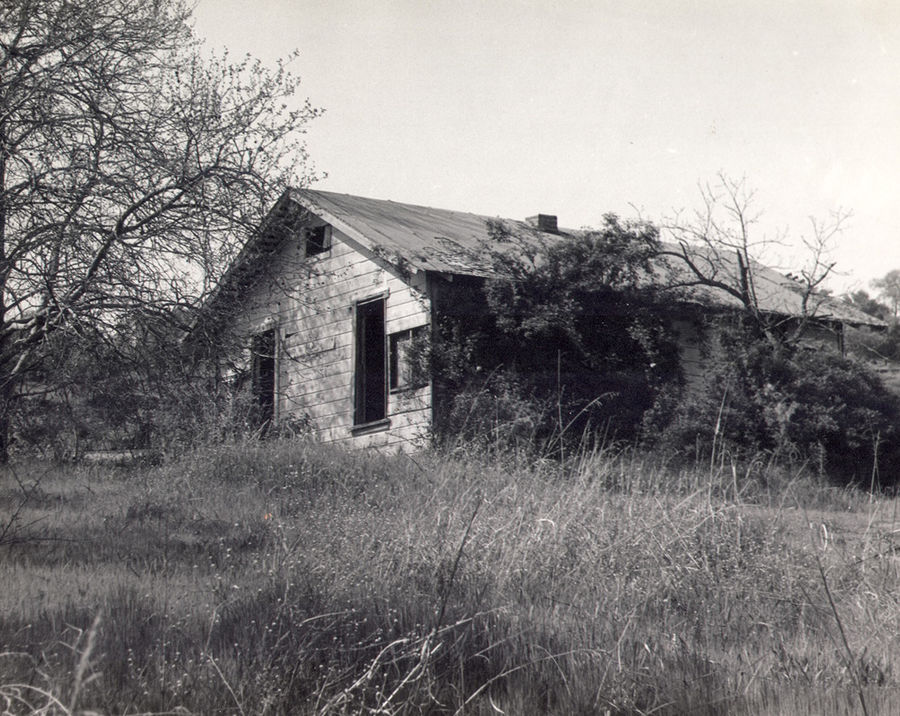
(580,107)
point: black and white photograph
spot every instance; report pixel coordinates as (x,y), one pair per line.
(464,357)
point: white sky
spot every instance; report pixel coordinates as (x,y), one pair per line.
(579,107)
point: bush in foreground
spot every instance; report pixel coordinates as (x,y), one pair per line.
(795,404)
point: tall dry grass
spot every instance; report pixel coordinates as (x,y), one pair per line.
(295,578)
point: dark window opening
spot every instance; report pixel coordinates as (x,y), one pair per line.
(371,370)
(263,377)
(403,373)
(318,239)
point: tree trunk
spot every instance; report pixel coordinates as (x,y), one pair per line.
(6,384)
(4,435)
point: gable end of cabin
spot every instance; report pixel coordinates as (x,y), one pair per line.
(320,340)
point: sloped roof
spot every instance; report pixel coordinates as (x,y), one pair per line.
(453,242)
(426,238)
(775,292)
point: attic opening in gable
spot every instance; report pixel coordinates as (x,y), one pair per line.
(317,239)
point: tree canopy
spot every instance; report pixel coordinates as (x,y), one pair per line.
(888,287)
(132,165)
(566,339)
(864,302)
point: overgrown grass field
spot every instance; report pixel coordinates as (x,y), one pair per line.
(294,578)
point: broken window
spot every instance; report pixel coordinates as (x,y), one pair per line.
(262,372)
(403,373)
(318,239)
(371,369)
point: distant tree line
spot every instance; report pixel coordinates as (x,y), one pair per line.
(881,346)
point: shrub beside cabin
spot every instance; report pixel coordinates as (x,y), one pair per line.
(317,314)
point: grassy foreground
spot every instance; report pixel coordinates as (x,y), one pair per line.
(293,578)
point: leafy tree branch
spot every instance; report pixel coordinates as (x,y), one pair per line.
(132,166)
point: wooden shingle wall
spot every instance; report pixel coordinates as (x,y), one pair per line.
(697,346)
(311,303)
(692,352)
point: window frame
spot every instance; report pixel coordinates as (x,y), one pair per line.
(317,239)
(395,368)
(264,374)
(368,365)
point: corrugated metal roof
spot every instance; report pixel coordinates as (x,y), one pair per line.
(426,238)
(430,239)
(775,292)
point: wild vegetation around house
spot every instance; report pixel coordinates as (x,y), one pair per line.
(569,344)
(796,403)
(566,341)
(295,578)
(134,165)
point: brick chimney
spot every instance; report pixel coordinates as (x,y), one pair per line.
(544,222)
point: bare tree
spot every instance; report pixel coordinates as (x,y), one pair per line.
(131,166)
(713,250)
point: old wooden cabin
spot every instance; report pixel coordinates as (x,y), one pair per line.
(321,307)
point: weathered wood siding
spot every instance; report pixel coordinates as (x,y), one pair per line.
(311,303)
(823,335)
(693,352)
(698,345)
